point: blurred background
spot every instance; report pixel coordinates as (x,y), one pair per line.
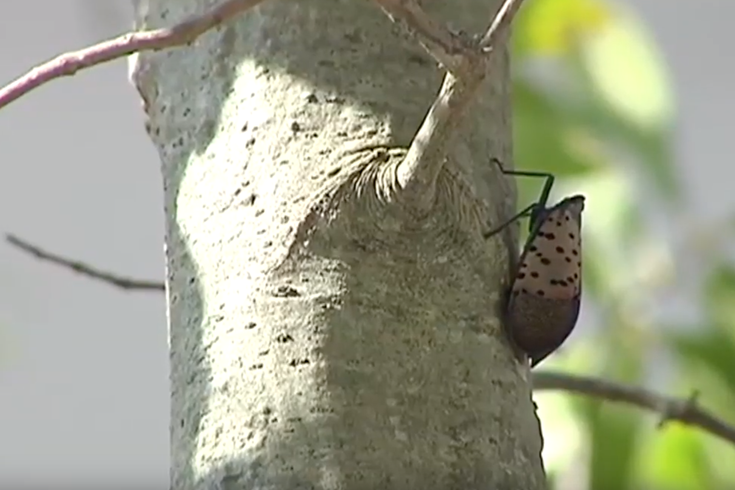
(627,102)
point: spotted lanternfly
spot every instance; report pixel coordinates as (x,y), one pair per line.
(544,297)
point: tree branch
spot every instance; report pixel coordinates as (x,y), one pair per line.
(467,65)
(504,17)
(446,48)
(69,63)
(84,269)
(686,411)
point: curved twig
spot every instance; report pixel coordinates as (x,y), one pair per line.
(685,410)
(127,44)
(85,269)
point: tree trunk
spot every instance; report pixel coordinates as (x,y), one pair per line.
(322,334)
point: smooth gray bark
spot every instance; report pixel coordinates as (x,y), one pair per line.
(321,335)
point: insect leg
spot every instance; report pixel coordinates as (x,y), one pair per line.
(526,212)
(544,197)
(521,173)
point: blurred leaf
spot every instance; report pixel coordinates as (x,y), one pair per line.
(712,348)
(717,398)
(552,26)
(545,141)
(631,97)
(652,148)
(610,214)
(612,115)
(620,92)
(612,428)
(673,458)
(541,134)
(628,72)
(594,274)
(718,295)
(613,435)
(611,223)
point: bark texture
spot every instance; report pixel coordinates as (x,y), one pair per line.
(322,333)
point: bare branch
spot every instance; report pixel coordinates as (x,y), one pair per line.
(504,17)
(467,65)
(427,154)
(69,63)
(84,269)
(686,411)
(446,48)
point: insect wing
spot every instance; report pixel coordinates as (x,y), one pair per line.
(544,299)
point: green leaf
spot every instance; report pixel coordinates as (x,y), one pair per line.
(613,435)
(622,95)
(541,133)
(716,397)
(552,26)
(713,349)
(630,97)
(628,72)
(544,141)
(613,428)
(718,295)
(674,458)
(611,225)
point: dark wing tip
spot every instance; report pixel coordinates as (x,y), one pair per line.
(574,204)
(572,201)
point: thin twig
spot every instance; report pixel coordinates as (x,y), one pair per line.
(85,269)
(686,411)
(127,44)
(504,17)
(446,48)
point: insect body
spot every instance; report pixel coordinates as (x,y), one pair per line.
(544,298)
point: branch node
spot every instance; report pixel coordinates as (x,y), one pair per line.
(466,60)
(686,411)
(679,409)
